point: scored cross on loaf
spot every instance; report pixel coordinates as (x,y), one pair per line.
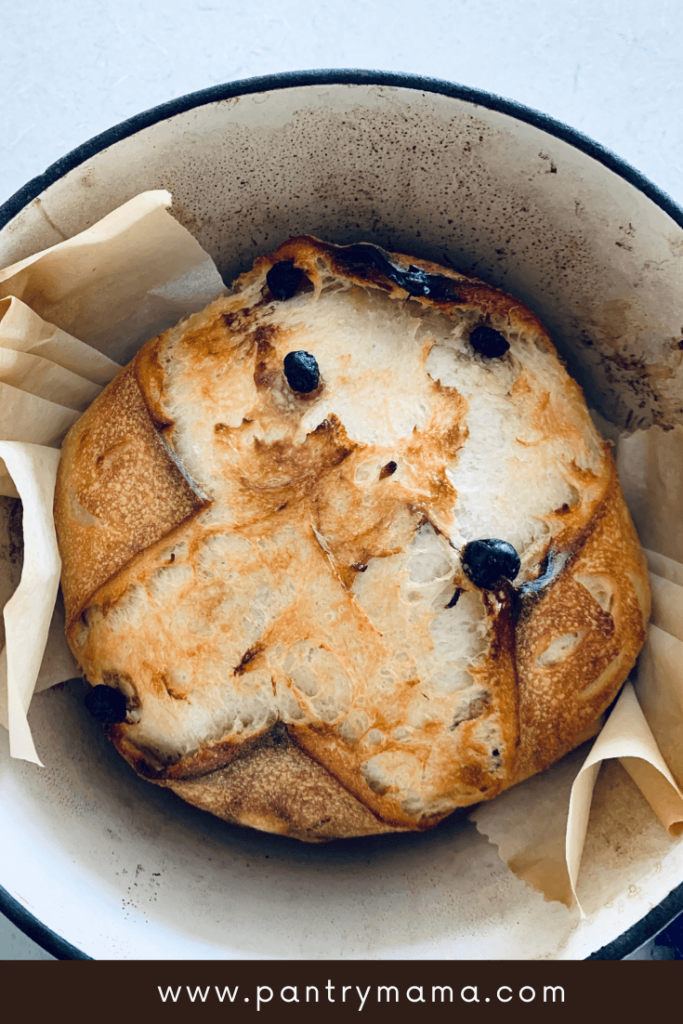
(346,549)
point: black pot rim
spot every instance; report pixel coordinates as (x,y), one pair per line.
(29,924)
(658,918)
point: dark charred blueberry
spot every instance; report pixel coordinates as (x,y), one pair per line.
(364,258)
(487,562)
(106,704)
(283,279)
(454,600)
(488,342)
(301,371)
(388,470)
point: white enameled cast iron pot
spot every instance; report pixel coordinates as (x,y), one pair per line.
(97,863)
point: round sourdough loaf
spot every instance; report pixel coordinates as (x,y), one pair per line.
(276,561)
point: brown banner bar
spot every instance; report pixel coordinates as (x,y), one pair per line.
(299,991)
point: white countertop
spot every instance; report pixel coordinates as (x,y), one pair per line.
(611,68)
(73,68)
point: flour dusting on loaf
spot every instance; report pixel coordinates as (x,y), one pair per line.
(302,645)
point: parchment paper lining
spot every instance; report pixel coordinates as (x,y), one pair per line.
(71,315)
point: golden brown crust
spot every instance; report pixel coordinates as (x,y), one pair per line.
(559,700)
(557,650)
(118,491)
(275,787)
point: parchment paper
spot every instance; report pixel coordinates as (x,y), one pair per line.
(47,377)
(33,469)
(137,272)
(131,275)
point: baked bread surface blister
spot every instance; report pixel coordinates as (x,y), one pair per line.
(278,561)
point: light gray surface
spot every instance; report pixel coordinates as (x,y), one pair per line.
(73,68)
(14,945)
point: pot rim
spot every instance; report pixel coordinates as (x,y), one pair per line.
(669,908)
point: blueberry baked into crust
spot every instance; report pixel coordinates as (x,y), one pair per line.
(350,548)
